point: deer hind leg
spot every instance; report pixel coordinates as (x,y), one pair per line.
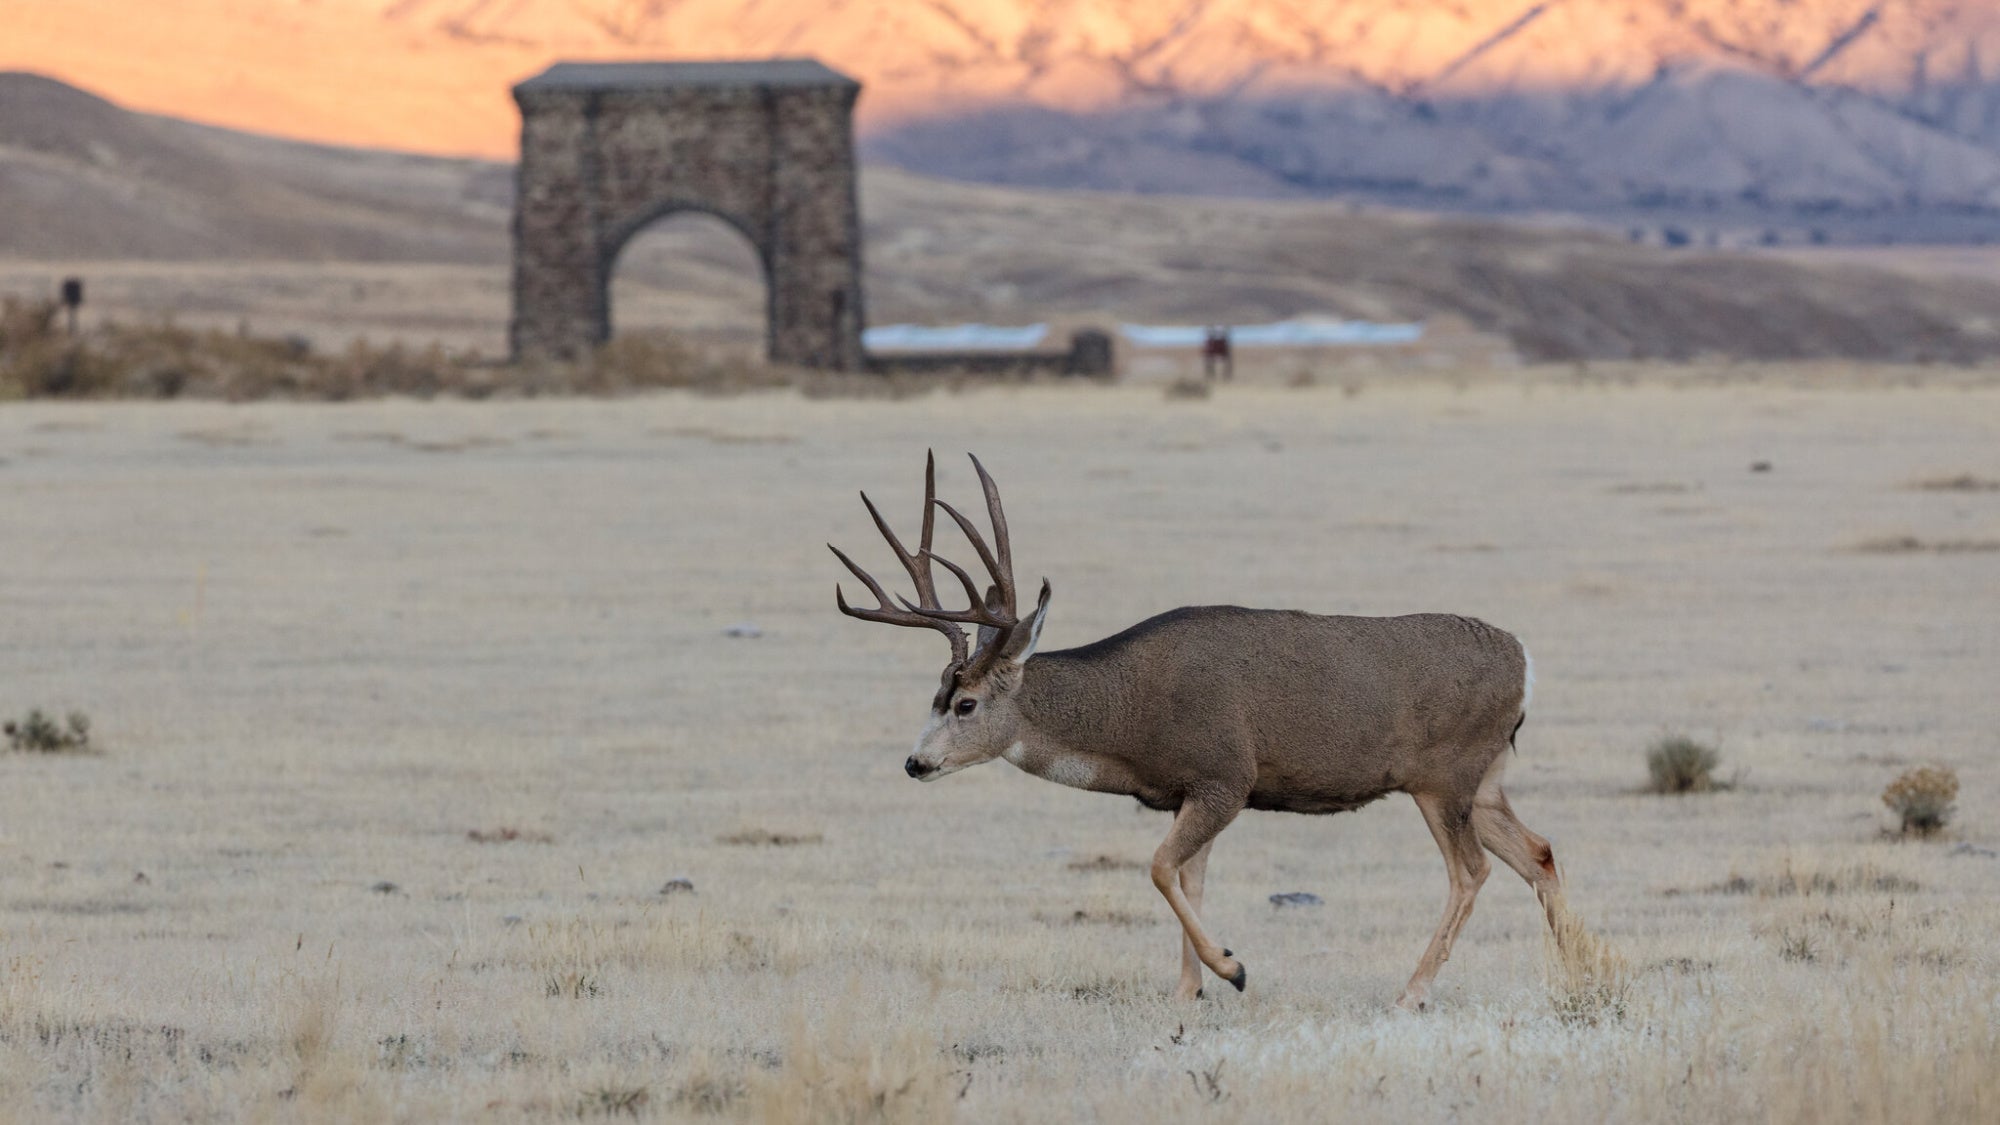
(1195,828)
(1517,846)
(1193,873)
(1451,825)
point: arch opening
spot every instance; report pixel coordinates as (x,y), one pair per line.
(694,278)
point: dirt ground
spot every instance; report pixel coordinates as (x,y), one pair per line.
(411,715)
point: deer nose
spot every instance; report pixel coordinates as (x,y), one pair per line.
(915,768)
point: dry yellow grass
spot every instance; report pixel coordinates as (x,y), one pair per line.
(323,644)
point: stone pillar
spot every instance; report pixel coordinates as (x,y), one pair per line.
(560,311)
(816,308)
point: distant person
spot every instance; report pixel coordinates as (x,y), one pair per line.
(1215,354)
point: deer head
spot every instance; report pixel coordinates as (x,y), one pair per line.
(975,714)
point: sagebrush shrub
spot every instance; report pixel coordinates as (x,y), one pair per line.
(1923,798)
(39,734)
(1679,764)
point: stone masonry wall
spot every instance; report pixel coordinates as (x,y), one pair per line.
(775,161)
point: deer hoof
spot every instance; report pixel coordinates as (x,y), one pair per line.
(1241,978)
(1199,993)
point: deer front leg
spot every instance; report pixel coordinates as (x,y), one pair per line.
(1192,876)
(1200,819)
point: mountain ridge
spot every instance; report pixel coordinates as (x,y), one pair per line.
(1823,111)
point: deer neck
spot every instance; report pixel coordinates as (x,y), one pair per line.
(1066,733)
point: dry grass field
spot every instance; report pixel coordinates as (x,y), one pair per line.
(410,715)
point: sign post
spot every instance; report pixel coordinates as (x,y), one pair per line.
(72,297)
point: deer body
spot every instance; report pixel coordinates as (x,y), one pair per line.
(1297,712)
(1207,711)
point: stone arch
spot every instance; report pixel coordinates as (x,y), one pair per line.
(609,148)
(619,240)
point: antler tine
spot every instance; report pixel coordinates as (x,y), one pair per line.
(888,614)
(1003,578)
(999,558)
(874,587)
(972,593)
(978,613)
(1001,545)
(919,575)
(930,510)
(916,564)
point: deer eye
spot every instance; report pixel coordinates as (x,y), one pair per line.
(966,706)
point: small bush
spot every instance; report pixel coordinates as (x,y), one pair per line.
(614,1101)
(1679,764)
(1923,798)
(40,734)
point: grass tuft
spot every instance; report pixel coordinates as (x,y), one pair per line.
(834,1072)
(1589,981)
(1797,947)
(764,838)
(1912,545)
(613,1101)
(1857,878)
(508,834)
(1960,482)
(708,1094)
(571,984)
(1106,863)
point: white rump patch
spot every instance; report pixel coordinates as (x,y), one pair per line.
(1527,680)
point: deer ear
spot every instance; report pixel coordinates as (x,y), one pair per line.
(1021,644)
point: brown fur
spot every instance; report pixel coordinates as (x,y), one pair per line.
(1290,712)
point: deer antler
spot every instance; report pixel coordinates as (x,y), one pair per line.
(999,560)
(997,609)
(994,610)
(918,615)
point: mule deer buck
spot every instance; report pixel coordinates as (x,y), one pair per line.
(1206,711)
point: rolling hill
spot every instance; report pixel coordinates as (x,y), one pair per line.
(82,181)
